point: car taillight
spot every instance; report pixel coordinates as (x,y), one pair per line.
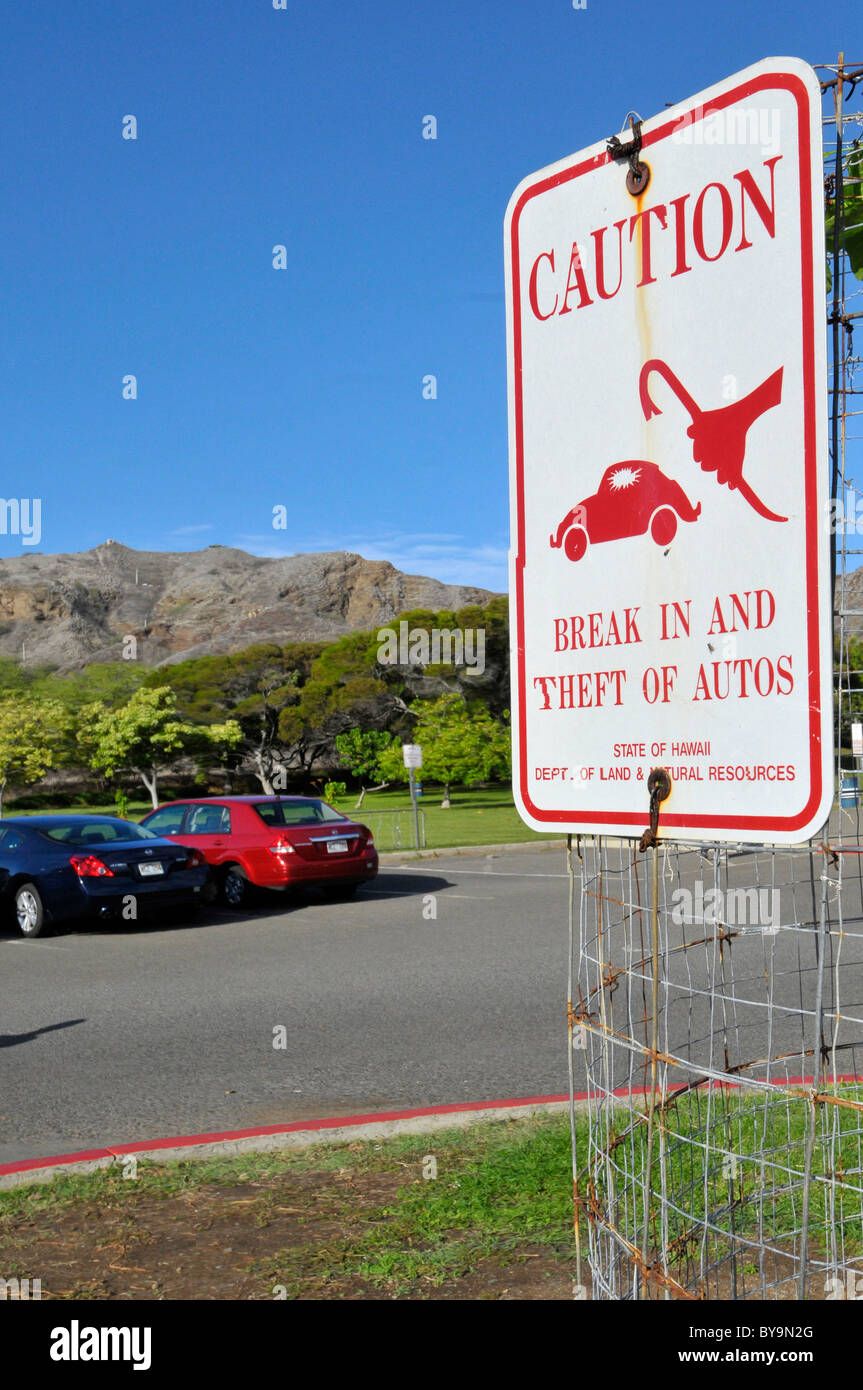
(370,840)
(194,859)
(281,847)
(88,866)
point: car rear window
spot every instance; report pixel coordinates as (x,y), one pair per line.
(103,832)
(296,812)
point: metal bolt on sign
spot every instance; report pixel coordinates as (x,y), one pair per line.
(638,173)
(659,789)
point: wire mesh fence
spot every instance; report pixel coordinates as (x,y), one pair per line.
(721,1029)
(396,830)
(716,998)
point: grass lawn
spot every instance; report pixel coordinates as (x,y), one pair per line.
(357,1221)
(476,817)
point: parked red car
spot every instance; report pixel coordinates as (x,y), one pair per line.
(270,842)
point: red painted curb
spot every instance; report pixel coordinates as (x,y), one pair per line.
(346,1122)
(221,1136)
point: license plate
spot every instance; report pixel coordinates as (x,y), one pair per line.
(337,846)
(151,870)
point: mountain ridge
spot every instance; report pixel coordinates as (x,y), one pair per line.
(68,610)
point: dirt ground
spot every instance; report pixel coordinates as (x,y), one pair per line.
(263,1240)
(353,1223)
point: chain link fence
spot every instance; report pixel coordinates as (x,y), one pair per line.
(395,830)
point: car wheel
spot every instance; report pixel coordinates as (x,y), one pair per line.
(663,526)
(29,911)
(575,543)
(236,889)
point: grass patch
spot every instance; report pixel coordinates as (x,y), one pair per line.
(348,1220)
(477,816)
(734,1164)
(502,1192)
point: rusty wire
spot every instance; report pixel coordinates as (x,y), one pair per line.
(725,1152)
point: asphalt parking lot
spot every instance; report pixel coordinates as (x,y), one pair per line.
(115,1033)
(443,981)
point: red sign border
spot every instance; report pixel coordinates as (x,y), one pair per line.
(764,81)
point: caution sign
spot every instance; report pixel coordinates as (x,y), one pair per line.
(669,566)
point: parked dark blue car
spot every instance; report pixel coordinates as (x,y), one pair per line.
(56,868)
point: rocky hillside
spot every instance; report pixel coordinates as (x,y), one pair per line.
(67,610)
(851,599)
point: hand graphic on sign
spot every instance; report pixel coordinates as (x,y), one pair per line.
(719,436)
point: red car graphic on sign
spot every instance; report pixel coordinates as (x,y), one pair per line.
(633,496)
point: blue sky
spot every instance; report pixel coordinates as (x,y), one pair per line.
(302,126)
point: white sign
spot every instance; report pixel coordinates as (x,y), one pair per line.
(857,740)
(669,482)
(413,754)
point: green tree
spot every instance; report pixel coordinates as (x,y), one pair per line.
(145,733)
(15,679)
(31,732)
(461,742)
(111,682)
(292,702)
(342,693)
(851,222)
(360,751)
(254,687)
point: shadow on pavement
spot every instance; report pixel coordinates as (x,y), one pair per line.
(14,1039)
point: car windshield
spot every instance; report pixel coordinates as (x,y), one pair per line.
(95,832)
(296,812)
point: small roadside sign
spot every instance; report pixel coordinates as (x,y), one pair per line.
(412,754)
(669,564)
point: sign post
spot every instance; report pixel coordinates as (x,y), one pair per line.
(413,757)
(670,579)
